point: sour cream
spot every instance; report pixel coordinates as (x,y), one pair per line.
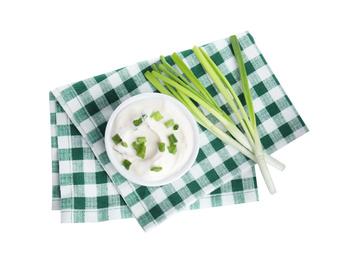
(155,132)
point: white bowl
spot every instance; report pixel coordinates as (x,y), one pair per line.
(132,177)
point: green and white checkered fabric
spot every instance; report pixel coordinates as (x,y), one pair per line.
(84,179)
(83,191)
(81,187)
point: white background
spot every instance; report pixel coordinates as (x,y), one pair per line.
(46,44)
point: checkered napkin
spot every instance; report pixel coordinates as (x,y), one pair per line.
(83,191)
(86,187)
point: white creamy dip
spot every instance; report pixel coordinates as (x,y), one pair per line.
(155,132)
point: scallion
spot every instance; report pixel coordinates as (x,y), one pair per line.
(156,169)
(126,164)
(141,139)
(169,123)
(157,116)
(193,93)
(161,147)
(116,139)
(172,139)
(140,149)
(172,148)
(135,145)
(124,144)
(138,121)
(175,127)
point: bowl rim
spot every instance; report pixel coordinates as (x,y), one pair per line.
(120,168)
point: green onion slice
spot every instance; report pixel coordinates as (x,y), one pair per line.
(138,121)
(116,139)
(169,123)
(175,127)
(126,164)
(141,139)
(140,149)
(157,116)
(135,145)
(172,139)
(161,147)
(156,169)
(124,144)
(141,152)
(172,148)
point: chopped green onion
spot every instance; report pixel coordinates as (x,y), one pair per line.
(172,139)
(144,116)
(142,150)
(169,123)
(172,148)
(126,164)
(141,139)
(116,139)
(138,121)
(135,145)
(124,144)
(175,127)
(157,116)
(156,169)
(161,147)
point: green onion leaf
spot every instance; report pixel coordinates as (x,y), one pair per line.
(138,121)
(204,121)
(161,147)
(218,77)
(124,144)
(157,116)
(175,127)
(156,169)
(244,80)
(169,123)
(193,78)
(116,139)
(157,84)
(231,127)
(172,139)
(126,164)
(141,139)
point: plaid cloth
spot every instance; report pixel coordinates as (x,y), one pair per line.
(79,181)
(88,187)
(83,191)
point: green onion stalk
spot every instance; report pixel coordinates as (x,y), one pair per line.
(188,90)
